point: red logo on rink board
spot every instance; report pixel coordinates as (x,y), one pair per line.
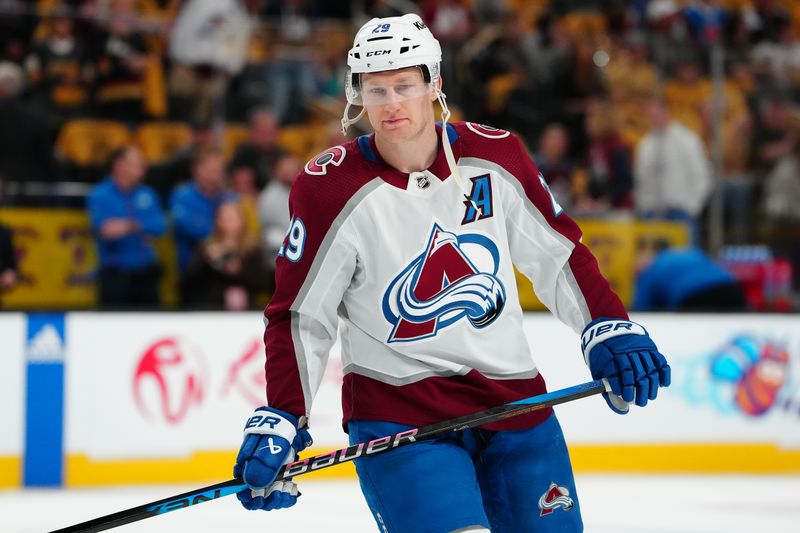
(332,156)
(170,376)
(555,497)
(246,374)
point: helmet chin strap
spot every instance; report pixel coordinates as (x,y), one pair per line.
(448,152)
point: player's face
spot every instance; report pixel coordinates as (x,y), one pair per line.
(399,103)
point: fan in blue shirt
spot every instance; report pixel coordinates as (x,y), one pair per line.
(683,280)
(125,217)
(194,204)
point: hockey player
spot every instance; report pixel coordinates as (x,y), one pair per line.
(405,239)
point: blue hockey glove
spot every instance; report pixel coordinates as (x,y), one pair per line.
(271,439)
(623,353)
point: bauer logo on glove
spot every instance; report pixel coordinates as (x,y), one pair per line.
(622,352)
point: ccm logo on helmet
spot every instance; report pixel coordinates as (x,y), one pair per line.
(377,53)
(332,156)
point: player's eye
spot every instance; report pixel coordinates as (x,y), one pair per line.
(402,89)
(377,91)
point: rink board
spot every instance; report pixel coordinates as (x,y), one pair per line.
(12,397)
(161,397)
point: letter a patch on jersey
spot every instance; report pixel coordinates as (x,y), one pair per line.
(454,278)
(481,196)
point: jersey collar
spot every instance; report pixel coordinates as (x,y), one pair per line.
(391,175)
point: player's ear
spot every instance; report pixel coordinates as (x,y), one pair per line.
(438,86)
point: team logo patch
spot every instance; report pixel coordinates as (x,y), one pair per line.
(556,497)
(332,156)
(454,278)
(487,131)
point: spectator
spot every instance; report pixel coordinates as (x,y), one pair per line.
(777,60)
(450,21)
(329,70)
(775,136)
(705,20)
(262,151)
(686,91)
(737,177)
(58,67)
(291,81)
(243,184)
(553,162)
(25,147)
(782,209)
(193,204)
(15,31)
(273,207)
(8,258)
(629,74)
(125,218)
(122,66)
(578,83)
(610,177)
(684,280)
(178,168)
(782,195)
(208,46)
(672,173)
(227,270)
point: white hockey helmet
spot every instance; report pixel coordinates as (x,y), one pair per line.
(391,43)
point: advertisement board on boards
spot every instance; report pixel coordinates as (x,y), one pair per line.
(172,390)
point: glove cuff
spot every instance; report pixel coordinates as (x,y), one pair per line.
(602,329)
(269,421)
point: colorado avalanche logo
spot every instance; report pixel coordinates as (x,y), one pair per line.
(556,497)
(332,156)
(453,278)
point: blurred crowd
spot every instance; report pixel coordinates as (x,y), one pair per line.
(192,117)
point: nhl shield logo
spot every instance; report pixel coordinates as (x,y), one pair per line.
(556,497)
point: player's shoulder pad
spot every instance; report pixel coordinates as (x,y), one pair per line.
(333,175)
(487,142)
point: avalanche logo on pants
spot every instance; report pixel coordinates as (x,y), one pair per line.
(555,497)
(455,277)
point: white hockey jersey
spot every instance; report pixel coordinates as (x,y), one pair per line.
(421,284)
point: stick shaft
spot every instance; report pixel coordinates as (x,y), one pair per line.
(343,455)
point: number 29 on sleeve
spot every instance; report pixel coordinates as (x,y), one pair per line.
(294,242)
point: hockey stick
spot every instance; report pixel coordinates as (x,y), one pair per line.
(318,462)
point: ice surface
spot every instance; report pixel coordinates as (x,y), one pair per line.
(611,504)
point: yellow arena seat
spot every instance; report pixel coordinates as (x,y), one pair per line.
(232,136)
(85,142)
(161,140)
